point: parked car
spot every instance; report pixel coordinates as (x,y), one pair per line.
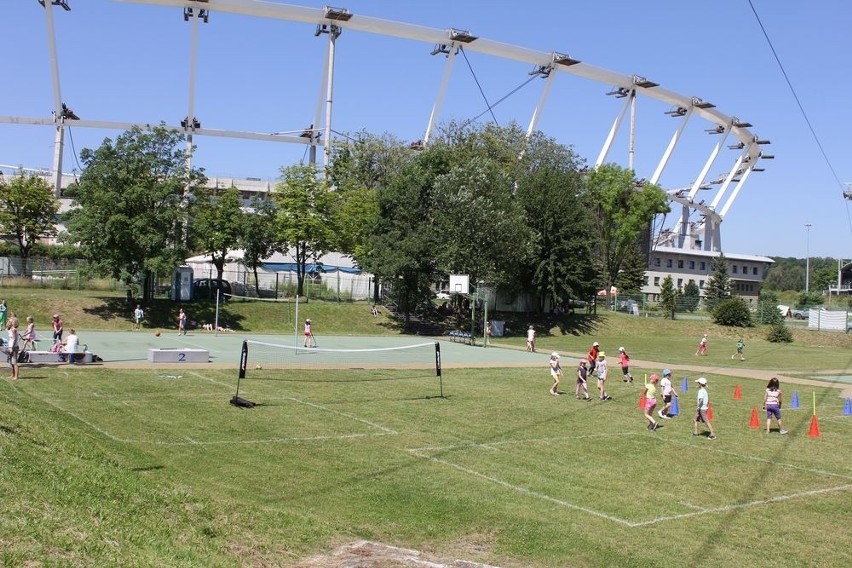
(800,314)
(205,289)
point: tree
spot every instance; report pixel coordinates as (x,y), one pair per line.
(691,296)
(668,295)
(718,286)
(633,273)
(359,171)
(767,308)
(732,312)
(27,212)
(304,223)
(257,236)
(217,225)
(557,264)
(622,211)
(133,202)
(479,220)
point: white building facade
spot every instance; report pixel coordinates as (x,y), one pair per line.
(746,271)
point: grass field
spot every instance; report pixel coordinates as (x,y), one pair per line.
(105,467)
(153,467)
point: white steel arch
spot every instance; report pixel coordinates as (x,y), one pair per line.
(703,233)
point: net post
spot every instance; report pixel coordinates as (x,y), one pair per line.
(236,400)
(438,368)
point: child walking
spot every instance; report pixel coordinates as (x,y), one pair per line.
(668,392)
(625,365)
(582,375)
(772,404)
(555,373)
(702,346)
(703,403)
(740,347)
(651,400)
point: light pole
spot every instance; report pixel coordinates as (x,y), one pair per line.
(808,258)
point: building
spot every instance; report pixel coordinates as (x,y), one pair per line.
(746,271)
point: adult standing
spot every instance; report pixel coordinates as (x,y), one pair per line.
(772,404)
(57,329)
(601,370)
(702,405)
(72,343)
(668,392)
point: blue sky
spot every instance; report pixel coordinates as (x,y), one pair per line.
(128,62)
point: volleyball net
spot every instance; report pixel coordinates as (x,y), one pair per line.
(262,361)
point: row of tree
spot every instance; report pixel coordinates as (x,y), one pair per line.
(520,213)
(523,214)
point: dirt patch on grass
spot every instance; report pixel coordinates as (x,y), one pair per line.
(367,554)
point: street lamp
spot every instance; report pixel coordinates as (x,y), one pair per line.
(808,258)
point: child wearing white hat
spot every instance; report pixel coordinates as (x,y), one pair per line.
(555,373)
(703,403)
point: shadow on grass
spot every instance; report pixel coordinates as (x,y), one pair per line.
(163,313)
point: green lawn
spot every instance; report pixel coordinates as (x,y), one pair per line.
(139,468)
(118,467)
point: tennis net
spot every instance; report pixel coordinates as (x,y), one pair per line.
(264,361)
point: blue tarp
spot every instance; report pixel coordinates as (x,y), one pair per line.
(310,268)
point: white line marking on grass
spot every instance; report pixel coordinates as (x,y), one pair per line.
(525,490)
(691,506)
(757,459)
(735,506)
(490,445)
(344,414)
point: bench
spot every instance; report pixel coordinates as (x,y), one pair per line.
(461,337)
(58,357)
(178,355)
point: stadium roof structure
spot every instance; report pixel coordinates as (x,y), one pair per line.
(696,226)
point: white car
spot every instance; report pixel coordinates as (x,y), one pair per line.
(443,295)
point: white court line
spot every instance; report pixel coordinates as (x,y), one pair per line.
(276,440)
(419,452)
(489,445)
(757,459)
(735,506)
(523,490)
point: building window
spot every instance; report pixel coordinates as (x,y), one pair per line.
(702,266)
(733,269)
(656,280)
(745,269)
(754,270)
(701,284)
(680,263)
(692,265)
(679,283)
(657,261)
(668,263)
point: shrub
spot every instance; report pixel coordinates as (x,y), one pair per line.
(779,333)
(732,312)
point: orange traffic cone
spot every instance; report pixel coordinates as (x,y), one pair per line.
(755,421)
(709,412)
(738,392)
(642,401)
(814,431)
